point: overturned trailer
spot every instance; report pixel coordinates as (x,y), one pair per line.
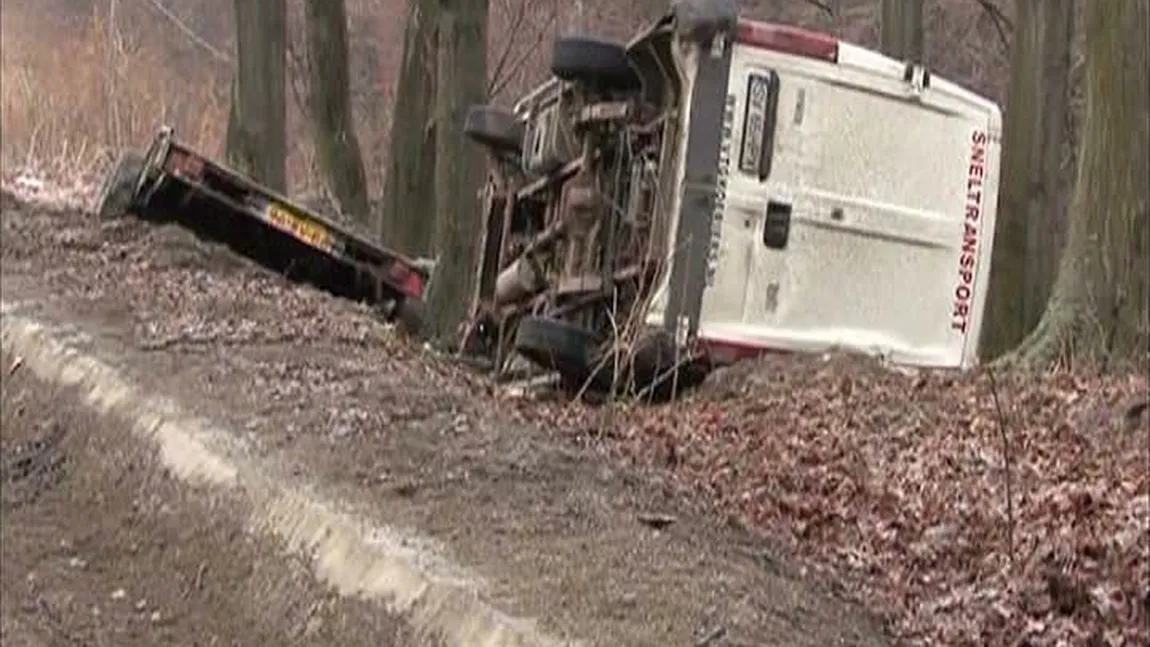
(719,187)
(171,182)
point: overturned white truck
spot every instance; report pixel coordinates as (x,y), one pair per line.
(720,187)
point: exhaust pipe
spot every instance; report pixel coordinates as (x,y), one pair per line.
(519,281)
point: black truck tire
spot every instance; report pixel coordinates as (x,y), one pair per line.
(594,61)
(701,20)
(657,370)
(496,128)
(118,192)
(411,317)
(558,346)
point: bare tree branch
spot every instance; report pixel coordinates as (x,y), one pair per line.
(496,87)
(1007,462)
(823,7)
(113,47)
(193,36)
(299,69)
(516,23)
(1001,23)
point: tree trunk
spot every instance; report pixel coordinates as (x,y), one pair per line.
(1098,306)
(1048,216)
(902,31)
(256,135)
(459,171)
(329,93)
(409,200)
(1030,226)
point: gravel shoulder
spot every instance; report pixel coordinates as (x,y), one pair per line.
(321,389)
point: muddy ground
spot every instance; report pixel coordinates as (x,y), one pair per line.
(322,389)
(102,548)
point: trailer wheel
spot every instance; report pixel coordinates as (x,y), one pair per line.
(411,317)
(558,346)
(496,128)
(594,61)
(657,370)
(118,192)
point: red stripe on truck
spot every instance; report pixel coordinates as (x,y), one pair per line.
(788,39)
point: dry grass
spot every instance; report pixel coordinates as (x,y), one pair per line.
(69,102)
(75,93)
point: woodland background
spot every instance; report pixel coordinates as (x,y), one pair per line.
(996,508)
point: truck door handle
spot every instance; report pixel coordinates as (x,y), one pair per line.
(777,225)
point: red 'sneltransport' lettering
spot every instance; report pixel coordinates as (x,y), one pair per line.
(971,228)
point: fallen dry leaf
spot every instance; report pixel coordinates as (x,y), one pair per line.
(897,482)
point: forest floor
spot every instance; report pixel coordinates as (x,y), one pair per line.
(792,500)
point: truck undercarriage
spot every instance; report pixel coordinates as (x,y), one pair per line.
(576,216)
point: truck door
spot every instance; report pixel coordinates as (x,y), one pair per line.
(857,211)
(762,164)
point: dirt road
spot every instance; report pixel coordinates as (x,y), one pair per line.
(101,548)
(319,388)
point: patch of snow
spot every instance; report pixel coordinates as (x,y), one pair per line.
(70,193)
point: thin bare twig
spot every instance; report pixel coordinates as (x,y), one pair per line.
(496,88)
(112,45)
(1001,23)
(712,637)
(823,7)
(516,23)
(299,73)
(497,85)
(1007,464)
(192,35)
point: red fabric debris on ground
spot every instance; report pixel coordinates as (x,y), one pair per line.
(897,481)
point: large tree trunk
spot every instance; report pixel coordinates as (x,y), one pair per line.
(256,136)
(329,93)
(459,171)
(1098,307)
(409,200)
(1028,236)
(901,30)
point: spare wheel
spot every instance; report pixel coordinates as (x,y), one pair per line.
(594,61)
(496,128)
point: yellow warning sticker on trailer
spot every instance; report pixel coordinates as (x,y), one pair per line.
(312,233)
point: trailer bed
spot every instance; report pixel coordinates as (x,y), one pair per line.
(174,183)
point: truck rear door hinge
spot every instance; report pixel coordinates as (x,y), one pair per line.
(917,76)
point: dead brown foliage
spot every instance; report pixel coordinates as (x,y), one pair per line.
(896,484)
